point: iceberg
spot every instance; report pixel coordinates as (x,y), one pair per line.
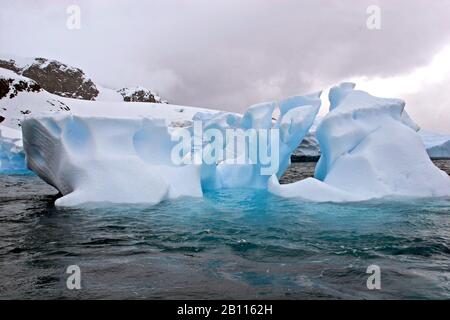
(101,159)
(238,169)
(360,158)
(12,156)
(438,145)
(92,158)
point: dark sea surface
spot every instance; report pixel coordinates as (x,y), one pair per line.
(237,244)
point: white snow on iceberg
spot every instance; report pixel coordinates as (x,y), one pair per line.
(101,159)
(309,148)
(297,114)
(367,152)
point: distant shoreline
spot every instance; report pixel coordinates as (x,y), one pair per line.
(295,158)
(303,168)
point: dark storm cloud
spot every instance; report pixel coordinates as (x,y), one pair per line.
(228,53)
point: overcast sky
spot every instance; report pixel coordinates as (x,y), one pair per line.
(229,54)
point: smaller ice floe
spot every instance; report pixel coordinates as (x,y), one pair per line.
(368,151)
(12,156)
(438,145)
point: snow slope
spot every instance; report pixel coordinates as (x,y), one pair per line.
(53,76)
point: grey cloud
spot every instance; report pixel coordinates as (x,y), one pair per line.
(229,53)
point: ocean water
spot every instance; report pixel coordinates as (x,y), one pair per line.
(239,244)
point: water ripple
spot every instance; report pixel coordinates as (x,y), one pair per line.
(235,244)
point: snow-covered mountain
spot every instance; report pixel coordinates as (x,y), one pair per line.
(35,85)
(368,151)
(54,76)
(71,82)
(22,97)
(140,94)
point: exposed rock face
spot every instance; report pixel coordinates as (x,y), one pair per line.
(55,77)
(66,81)
(4,87)
(10,65)
(10,86)
(20,96)
(139,94)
